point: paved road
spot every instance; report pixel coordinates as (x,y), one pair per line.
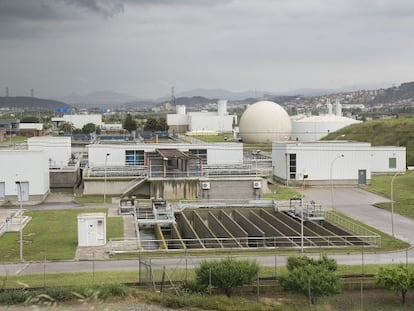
(358,204)
(354,202)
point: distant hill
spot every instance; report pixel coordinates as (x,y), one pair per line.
(31,103)
(394,94)
(382,132)
(101,99)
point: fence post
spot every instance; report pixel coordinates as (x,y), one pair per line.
(258,286)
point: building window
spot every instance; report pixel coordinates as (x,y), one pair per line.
(134,157)
(200,153)
(392,163)
(292,166)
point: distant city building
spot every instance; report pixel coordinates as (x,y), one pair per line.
(57,148)
(78,120)
(31,129)
(205,121)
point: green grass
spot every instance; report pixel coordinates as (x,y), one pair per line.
(92,199)
(384,132)
(403,192)
(282,193)
(51,234)
(222,137)
(14,140)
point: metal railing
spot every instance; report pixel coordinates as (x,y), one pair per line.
(352,227)
(251,243)
(183,204)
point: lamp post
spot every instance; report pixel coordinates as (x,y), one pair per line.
(106,161)
(255,154)
(301,212)
(330,175)
(392,202)
(19,185)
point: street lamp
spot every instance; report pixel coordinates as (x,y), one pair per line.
(305,176)
(392,202)
(255,154)
(106,161)
(330,175)
(19,185)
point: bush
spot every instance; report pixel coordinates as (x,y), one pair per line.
(227,273)
(11,297)
(312,278)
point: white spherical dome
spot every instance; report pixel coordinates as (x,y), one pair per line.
(265,122)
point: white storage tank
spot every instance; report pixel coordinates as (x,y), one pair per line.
(180,109)
(91,229)
(222,107)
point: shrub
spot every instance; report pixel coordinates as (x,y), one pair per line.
(227,273)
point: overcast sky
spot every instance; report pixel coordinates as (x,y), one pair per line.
(143,47)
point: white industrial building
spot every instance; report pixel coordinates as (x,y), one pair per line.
(215,121)
(57,148)
(23,172)
(314,128)
(78,120)
(339,162)
(134,154)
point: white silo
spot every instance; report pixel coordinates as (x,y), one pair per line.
(180,109)
(329,105)
(338,108)
(222,107)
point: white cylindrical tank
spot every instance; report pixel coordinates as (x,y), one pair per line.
(222,107)
(316,127)
(265,122)
(329,105)
(180,109)
(338,108)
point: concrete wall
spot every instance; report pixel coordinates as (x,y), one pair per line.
(380,159)
(232,188)
(174,189)
(64,178)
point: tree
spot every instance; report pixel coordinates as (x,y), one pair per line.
(312,278)
(88,128)
(129,123)
(397,278)
(151,124)
(66,128)
(227,273)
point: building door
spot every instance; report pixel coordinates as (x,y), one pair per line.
(92,232)
(362,177)
(2,191)
(23,191)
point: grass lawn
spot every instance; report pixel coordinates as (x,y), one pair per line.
(222,137)
(92,199)
(51,234)
(14,140)
(403,192)
(282,193)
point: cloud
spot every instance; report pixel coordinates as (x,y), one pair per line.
(107,8)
